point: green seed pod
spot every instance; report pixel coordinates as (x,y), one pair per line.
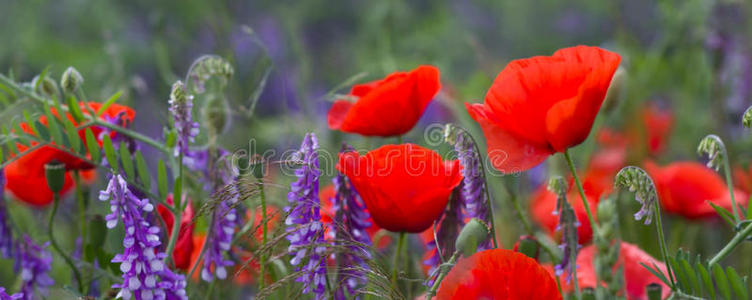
(45,86)
(471,235)
(71,80)
(54,171)
(528,246)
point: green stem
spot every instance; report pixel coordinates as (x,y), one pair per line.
(735,241)
(730,184)
(662,241)
(577,182)
(395,261)
(177,214)
(81,206)
(262,264)
(521,215)
(56,246)
(444,271)
(132,134)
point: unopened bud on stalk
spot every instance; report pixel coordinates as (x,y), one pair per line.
(54,171)
(471,235)
(45,86)
(71,80)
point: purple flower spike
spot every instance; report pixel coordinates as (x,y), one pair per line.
(353,220)
(5,296)
(224,222)
(181,106)
(145,275)
(6,236)
(304,227)
(473,184)
(33,263)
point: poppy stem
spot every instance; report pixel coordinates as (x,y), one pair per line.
(395,262)
(730,184)
(56,246)
(444,271)
(577,182)
(662,242)
(177,214)
(738,238)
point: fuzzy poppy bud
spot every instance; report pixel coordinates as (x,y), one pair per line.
(54,171)
(45,86)
(71,80)
(471,235)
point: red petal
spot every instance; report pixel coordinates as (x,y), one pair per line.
(507,153)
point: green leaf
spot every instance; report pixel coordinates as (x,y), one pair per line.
(177,189)
(109,102)
(721,282)
(127,161)
(74,109)
(11,144)
(692,276)
(44,133)
(162,179)
(170,139)
(31,123)
(142,170)
(657,272)
(737,284)
(70,130)
(53,126)
(725,214)
(705,276)
(680,275)
(93,146)
(109,152)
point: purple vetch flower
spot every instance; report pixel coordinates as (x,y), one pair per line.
(474,193)
(145,275)
(6,236)
(352,220)
(33,263)
(5,296)
(219,239)
(568,224)
(304,227)
(181,106)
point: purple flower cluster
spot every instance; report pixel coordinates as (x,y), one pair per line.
(33,263)
(5,296)
(219,239)
(473,183)
(181,106)
(354,220)
(145,275)
(305,230)
(568,224)
(6,236)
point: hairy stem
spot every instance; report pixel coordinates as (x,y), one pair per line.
(177,213)
(577,182)
(662,241)
(730,184)
(735,241)
(395,261)
(444,271)
(56,246)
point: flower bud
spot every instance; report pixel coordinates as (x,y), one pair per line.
(54,171)
(471,235)
(71,80)
(45,86)
(527,245)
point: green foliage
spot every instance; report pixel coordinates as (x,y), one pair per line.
(694,279)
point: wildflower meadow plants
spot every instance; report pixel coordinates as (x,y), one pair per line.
(566,180)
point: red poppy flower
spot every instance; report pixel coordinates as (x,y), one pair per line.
(25,177)
(543,205)
(685,188)
(184,246)
(405,187)
(658,125)
(636,277)
(328,213)
(543,105)
(498,274)
(386,107)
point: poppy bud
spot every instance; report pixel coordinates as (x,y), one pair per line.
(54,171)
(471,235)
(46,87)
(71,80)
(527,245)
